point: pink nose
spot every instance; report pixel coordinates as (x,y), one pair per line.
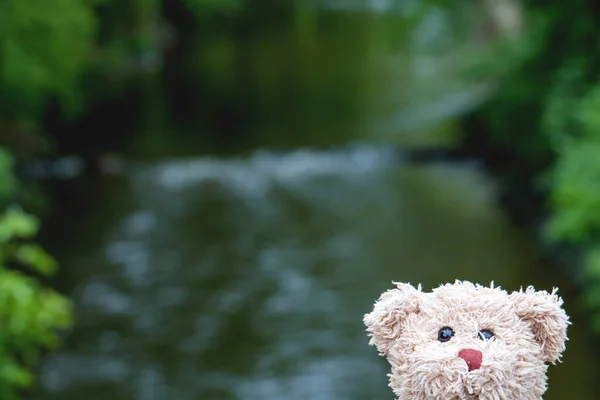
(472,357)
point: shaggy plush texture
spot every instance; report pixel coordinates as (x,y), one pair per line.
(467,341)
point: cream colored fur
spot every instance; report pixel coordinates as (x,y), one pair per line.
(529,327)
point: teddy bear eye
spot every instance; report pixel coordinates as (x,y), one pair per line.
(486,334)
(445,334)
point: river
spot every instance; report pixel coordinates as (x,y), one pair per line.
(247,278)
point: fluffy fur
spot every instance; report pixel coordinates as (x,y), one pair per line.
(529,327)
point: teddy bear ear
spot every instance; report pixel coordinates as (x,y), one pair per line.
(392,307)
(548,319)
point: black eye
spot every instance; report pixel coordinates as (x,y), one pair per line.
(445,334)
(486,334)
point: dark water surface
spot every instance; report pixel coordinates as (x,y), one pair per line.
(247,278)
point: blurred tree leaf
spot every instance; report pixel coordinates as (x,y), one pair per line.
(30,314)
(549,111)
(34,256)
(44,46)
(15,223)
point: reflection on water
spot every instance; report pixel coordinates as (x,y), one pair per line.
(248,278)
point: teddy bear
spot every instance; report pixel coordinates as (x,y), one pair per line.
(467,341)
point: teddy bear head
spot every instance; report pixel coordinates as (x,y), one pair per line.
(467,341)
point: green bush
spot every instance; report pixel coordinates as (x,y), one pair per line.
(31,314)
(44,47)
(576,175)
(575,183)
(549,110)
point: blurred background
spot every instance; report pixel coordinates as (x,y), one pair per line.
(202,198)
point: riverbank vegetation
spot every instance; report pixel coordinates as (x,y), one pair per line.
(31,314)
(545,125)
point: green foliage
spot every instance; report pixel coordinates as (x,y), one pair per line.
(575,181)
(576,177)
(570,122)
(44,46)
(30,313)
(550,110)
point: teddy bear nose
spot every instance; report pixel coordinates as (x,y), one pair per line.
(472,357)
